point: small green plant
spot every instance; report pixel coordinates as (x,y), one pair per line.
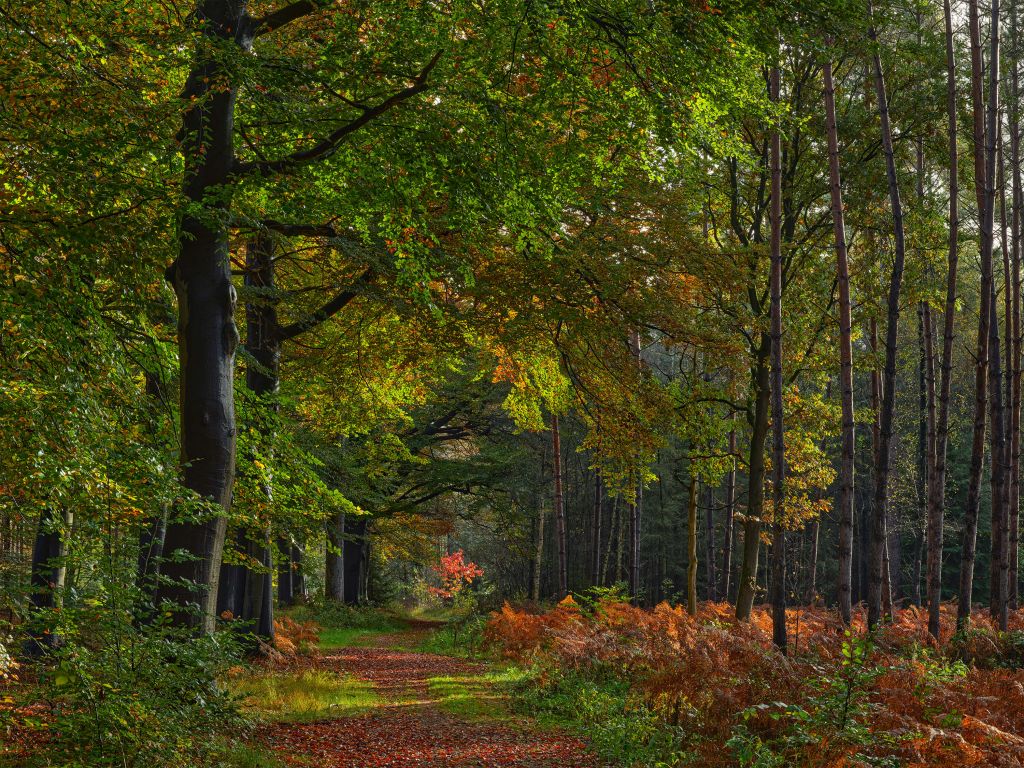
(834,716)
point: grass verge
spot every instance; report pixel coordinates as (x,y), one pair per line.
(310,694)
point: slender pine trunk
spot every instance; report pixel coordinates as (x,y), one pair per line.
(849,439)
(878,522)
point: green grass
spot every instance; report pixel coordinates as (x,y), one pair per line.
(476,697)
(302,696)
(236,754)
(345,637)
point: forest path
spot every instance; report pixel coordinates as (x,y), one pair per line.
(434,711)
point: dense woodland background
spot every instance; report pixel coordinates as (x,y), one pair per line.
(685,301)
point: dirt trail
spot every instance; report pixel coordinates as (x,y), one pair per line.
(409,729)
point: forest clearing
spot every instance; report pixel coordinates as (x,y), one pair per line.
(620,383)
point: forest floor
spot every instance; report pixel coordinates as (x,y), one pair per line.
(424,709)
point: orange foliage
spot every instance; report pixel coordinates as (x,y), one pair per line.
(703,672)
(291,637)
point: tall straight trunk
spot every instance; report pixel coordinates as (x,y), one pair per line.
(636,507)
(812,563)
(984,162)
(1001,548)
(999,564)
(285,580)
(691,547)
(1014,359)
(538,554)
(730,508)
(755,480)
(151,537)
(207,336)
(560,533)
(355,552)
(849,438)
(937,495)
(926,433)
(334,582)
(709,559)
(778,574)
(878,520)
(595,554)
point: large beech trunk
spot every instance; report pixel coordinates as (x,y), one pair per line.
(888,405)
(207,336)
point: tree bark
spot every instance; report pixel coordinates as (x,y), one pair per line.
(354,556)
(755,480)
(595,555)
(849,439)
(709,560)
(46,579)
(207,336)
(636,507)
(691,548)
(878,522)
(559,505)
(1014,358)
(730,507)
(334,584)
(778,574)
(937,496)
(983,183)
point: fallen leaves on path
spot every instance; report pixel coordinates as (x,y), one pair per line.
(411,731)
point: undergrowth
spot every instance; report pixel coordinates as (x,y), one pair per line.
(662,688)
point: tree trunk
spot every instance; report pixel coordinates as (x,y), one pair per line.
(730,507)
(812,577)
(207,336)
(334,584)
(46,579)
(559,506)
(285,574)
(709,560)
(937,495)
(984,164)
(691,547)
(849,440)
(595,555)
(1000,482)
(354,559)
(1014,357)
(878,521)
(636,507)
(778,563)
(755,481)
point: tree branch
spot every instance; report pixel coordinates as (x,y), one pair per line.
(328,145)
(282,16)
(330,308)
